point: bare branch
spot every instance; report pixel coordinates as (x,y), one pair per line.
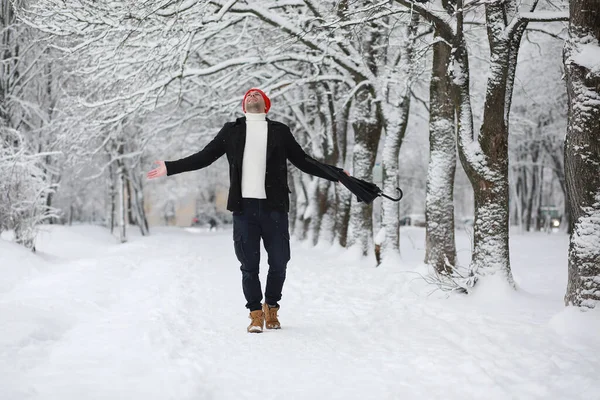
(553,35)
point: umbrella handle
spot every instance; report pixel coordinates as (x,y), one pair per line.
(392,198)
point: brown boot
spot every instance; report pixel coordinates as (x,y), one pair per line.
(258,319)
(271,321)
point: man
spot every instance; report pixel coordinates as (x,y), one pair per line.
(257,150)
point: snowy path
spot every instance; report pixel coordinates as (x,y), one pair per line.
(163,318)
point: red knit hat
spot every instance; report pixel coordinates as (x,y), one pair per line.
(264,96)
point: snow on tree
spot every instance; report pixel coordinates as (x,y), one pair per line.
(28,157)
(396,109)
(485,159)
(582,152)
(440,247)
(142,71)
(127,68)
(198,57)
(485,156)
(352,44)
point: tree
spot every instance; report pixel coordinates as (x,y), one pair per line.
(397,102)
(27,98)
(485,156)
(582,152)
(440,247)
(123,67)
(183,53)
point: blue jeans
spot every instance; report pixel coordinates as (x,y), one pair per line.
(254,222)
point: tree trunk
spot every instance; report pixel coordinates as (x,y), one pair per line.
(526,190)
(122,204)
(367,125)
(311,230)
(486,160)
(49,198)
(131,217)
(518,207)
(327,149)
(112,194)
(367,132)
(540,198)
(440,250)
(490,230)
(582,154)
(395,113)
(530,216)
(122,192)
(342,195)
(327,191)
(322,201)
(559,170)
(327,230)
(136,202)
(342,216)
(304,211)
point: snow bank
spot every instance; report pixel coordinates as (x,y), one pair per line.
(578,325)
(16,264)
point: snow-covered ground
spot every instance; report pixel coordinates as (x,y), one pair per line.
(163,317)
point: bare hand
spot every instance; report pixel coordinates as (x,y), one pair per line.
(159,171)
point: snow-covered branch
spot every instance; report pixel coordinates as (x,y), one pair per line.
(535,16)
(544,16)
(286,26)
(440,19)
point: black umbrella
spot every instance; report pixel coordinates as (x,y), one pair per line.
(364,191)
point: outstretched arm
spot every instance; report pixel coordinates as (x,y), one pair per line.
(209,154)
(298,157)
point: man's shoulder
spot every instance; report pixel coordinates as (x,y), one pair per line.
(230,125)
(278,125)
(276,122)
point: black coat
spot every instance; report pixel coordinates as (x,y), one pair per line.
(281,146)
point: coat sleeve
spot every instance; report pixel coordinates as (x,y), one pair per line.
(209,154)
(298,157)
